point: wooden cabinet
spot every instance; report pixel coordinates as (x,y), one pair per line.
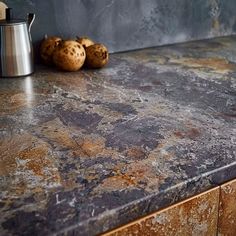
(195,216)
(227,209)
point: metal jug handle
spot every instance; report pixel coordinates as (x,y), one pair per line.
(31,17)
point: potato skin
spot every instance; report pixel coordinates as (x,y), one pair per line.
(96,56)
(85,41)
(47,48)
(69,55)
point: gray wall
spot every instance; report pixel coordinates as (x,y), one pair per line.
(130,24)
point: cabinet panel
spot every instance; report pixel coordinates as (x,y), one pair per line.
(227,209)
(195,216)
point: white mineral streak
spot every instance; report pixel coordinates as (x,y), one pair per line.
(227,189)
(162,219)
(58,201)
(72,202)
(139,96)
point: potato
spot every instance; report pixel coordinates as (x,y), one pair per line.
(96,56)
(85,41)
(69,55)
(47,48)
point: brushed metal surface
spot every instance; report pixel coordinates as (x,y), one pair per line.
(16,52)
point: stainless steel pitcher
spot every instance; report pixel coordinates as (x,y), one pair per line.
(16,50)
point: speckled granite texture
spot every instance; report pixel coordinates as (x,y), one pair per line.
(130,24)
(84,152)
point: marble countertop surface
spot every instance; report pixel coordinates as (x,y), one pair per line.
(84,152)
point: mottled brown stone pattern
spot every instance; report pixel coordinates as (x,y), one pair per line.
(27,167)
(87,152)
(217,64)
(195,216)
(227,209)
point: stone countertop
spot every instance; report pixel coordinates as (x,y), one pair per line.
(84,152)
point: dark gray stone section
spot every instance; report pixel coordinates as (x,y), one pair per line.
(130,24)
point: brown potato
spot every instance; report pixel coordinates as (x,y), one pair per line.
(85,41)
(69,55)
(47,48)
(96,56)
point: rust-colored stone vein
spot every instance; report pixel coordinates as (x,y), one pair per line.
(219,65)
(28,166)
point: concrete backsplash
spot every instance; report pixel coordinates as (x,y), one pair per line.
(130,24)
